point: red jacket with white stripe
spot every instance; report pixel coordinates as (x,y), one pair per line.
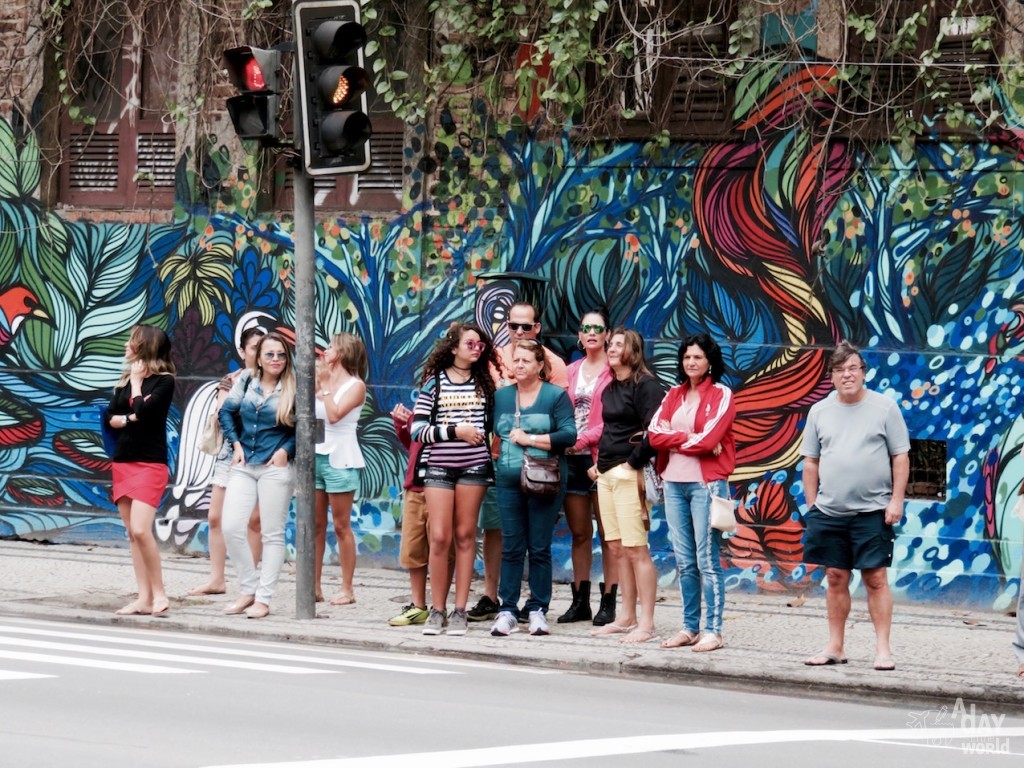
(712,425)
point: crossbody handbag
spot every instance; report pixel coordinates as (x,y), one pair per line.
(539,476)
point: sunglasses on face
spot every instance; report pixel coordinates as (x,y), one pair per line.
(591,329)
(475,345)
(275,355)
(520,326)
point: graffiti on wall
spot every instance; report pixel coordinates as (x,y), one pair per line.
(777,245)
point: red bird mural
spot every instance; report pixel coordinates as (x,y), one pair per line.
(16,305)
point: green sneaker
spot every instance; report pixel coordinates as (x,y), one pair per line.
(411,614)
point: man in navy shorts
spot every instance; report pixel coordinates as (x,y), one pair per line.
(856,464)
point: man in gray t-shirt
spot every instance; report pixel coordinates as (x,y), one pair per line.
(856,463)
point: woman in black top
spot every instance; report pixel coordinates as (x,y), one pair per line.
(139,409)
(628,402)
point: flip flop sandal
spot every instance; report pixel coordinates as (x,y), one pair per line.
(681,639)
(829,660)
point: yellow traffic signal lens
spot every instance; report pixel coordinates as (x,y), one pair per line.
(341,92)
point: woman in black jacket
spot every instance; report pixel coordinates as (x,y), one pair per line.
(628,402)
(138,410)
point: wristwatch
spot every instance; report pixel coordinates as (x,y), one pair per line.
(533,440)
(325,393)
(125,424)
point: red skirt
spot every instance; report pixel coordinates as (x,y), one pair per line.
(140,480)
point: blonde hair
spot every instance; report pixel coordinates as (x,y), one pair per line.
(286,404)
(152,348)
(351,353)
(534,346)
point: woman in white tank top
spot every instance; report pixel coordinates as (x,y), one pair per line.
(341,394)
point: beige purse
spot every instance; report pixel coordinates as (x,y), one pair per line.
(212,439)
(723,514)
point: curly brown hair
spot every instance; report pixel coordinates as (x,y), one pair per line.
(443,356)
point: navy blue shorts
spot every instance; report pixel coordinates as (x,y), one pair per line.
(578,483)
(857,542)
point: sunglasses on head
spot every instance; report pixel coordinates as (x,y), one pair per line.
(592,329)
(520,326)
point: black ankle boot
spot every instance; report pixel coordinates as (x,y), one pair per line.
(606,613)
(580,608)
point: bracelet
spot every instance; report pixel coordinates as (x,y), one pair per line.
(325,392)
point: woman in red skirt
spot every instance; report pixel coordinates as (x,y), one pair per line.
(138,410)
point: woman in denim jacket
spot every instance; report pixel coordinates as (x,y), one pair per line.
(258,419)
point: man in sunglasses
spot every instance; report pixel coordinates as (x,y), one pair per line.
(856,451)
(523,324)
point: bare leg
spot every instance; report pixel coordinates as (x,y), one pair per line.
(579,517)
(609,565)
(216,584)
(638,563)
(468,499)
(876,582)
(418,585)
(341,510)
(144,602)
(492,562)
(142,516)
(837,602)
(440,524)
(320,542)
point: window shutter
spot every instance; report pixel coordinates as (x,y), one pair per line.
(93,163)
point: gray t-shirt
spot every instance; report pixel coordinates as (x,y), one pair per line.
(853,444)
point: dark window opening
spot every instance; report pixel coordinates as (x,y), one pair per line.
(927,470)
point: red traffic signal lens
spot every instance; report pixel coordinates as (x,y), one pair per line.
(253,76)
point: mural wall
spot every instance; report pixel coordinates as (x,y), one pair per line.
(921,265)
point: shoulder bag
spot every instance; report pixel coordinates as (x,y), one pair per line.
(723,514)
(539,476)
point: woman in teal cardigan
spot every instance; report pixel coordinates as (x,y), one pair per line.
(536,417)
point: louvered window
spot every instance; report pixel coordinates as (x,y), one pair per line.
(126,156)
(666,71)
(379,188)
(963,39)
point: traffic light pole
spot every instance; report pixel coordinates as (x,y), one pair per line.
(305,379)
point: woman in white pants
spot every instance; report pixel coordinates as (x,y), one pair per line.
(258,420)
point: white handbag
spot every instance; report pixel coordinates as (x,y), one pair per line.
(723,514)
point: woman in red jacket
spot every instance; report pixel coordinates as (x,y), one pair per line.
(692,431)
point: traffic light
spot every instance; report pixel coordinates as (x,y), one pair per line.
(331,90)
(254,72)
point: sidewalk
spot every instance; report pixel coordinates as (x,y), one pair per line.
(941,654)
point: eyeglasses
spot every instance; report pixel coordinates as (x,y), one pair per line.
(275,355)
(850,369)
(474,345)
(520,326)
(592,329)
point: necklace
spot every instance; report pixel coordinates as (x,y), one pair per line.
(459,368)
(464,374)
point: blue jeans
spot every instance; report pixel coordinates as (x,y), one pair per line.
(527,526)
(696,545)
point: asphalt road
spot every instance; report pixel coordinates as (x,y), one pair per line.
(80,696)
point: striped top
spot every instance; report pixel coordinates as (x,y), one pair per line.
(457,404)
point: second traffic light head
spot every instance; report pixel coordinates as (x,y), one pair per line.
(253,70)
(340,85)
(334,40)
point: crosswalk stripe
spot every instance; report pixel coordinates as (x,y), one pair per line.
(248,653)
(74,661)
(32,643)
(8,675)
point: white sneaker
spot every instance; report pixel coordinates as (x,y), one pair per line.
(505,624)
(538,624)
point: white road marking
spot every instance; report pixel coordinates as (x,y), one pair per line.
(124,652)
(5,675)
(634,745)
(74,661)
(178,646)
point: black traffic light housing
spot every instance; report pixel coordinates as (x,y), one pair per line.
(331,87)
(254,72)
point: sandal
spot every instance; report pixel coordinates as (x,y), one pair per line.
(681,639)
(708,643)
(161,608)
(204,590)
(639,636)
(1020,672)
(133,609)
(613,629)
(343,598)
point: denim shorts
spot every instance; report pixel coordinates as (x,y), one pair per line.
(579,483)
(449,477)
(855,542)
(334,479)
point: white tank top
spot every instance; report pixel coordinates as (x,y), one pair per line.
(340,441)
